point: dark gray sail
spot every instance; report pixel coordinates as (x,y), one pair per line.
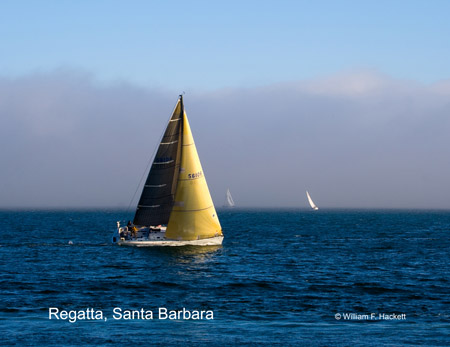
(157,197)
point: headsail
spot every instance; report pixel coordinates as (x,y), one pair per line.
(193,215)
(157,197)
(311,203)
(230,200)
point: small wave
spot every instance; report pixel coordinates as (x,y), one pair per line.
(47,291)
(9,310)
(372,288)
(165,284)
(259,284)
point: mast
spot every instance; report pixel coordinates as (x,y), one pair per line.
(181,104)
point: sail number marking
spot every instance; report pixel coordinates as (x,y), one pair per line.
(195,175)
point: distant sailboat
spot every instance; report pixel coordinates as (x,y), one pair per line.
(230,201)
(311,203)
(175,208)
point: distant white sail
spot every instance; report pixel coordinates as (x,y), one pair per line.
(311,203)
(230,200)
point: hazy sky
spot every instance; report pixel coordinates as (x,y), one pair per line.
(348,99)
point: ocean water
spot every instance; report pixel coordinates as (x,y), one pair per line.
(281,277)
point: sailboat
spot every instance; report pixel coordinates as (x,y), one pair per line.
(311,203)
(175,207)
(229,200)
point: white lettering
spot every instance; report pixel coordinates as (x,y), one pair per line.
(72,316)
(53,311)
(185,314)
(117,313)
(162,313)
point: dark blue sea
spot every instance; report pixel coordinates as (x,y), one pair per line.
(281,277)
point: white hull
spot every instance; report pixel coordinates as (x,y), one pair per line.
(150,237)
(213,241)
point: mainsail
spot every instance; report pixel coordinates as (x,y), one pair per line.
(157,197)
(230,200)
(311,203)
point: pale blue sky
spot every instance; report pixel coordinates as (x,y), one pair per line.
(206,45)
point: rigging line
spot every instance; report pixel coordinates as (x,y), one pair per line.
(151,159)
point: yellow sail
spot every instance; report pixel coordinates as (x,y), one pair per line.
(193,216)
